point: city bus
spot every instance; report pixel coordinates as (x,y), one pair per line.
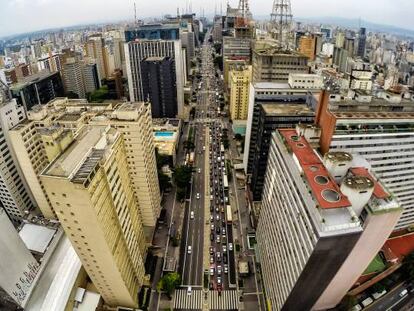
(229,217)
(225,182)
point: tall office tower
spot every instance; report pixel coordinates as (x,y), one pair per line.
(159,86)
(274,65)
(217,33)
(73,77)
(340,59)
(95,48)
(349,45)
(18,267)
(281,22)
(137,51)
(307,46)
(362,41)
(90,77)
(153,32)
(188,42)
(38,89)
(380,129)
(240,78)
(14,194)
(118,51)
(90,189)
(270,109)
(340,40)
(319,205)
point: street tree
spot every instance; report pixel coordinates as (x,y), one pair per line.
(169,283)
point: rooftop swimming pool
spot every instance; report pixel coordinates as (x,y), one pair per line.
(164,134)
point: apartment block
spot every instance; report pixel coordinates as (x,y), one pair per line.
(50,130)
(272,64)
(310,206)
(382,130)
(91,191)
(95,49)
(240,78)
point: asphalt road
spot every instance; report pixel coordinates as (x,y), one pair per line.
(392,301)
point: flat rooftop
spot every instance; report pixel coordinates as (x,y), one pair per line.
(66,163)
(69,117)
(275,109)
(36,237)
(324,188)
(32,79)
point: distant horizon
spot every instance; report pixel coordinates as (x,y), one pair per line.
(260,17)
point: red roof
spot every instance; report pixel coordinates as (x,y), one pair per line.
(401,246)
(323,186)
(379,191)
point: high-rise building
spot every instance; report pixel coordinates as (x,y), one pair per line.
(340,40)
(349,45)
(362,41)
(15,196)
(380,129)
(217,33)
(340,59)
(137,51)
(95,48)
(319,205)
(237,49)
(310,46)
(38,89)
(239,85)
(159,86)
(153,32)
(90,77)
(271,93)
(50,130)
(90,189)
(18,267)
(274,65)
(73,77)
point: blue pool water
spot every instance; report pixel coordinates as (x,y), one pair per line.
(164,134)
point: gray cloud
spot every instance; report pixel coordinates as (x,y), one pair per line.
(18,16)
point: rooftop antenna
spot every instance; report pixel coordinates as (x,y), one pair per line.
(178,12)
(281,21)
(135,14)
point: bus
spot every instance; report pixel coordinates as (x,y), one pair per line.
(222,148)
(229,218)
(225,182)
(191,160)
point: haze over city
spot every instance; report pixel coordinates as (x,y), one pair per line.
(18,16)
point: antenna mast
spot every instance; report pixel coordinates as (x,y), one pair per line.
(281,21)
(135,14)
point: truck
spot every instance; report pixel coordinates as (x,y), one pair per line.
(191,160)
(243,268)
(229,217)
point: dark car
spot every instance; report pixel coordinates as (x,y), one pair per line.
(225,258)
(212,237)
(218,230)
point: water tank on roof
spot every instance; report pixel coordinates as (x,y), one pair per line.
(359,190)
(337,163)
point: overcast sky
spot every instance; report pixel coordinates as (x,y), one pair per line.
(18,16)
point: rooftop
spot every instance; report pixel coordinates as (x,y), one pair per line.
(324,188)
(274,109)
(36,237)
(69,117)
(75,154)
(379,191)
(32,79)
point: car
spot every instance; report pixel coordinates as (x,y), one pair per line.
(211,237)
(357,307)
(211,259)
(219,270)
(212,227)
(198,196)
(218,256)
(189,290)
(217,209)
(192,215)
(211,208)
(199,170)
(211,270)
(211,197)
(211,218)
(226,269)
(367,301)
(230,246)
(211,250)
(377,295)
(217,217)
(224,248)
(223,231)
(189,249)
(218,230)
(218,238)
(225,258)
(219,281)
(403,292)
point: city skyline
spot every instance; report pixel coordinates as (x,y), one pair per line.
(21,16)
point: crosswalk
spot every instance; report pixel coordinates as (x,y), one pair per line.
(228,300)
(184,301)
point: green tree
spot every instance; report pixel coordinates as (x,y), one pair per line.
(189,145)
(238,137)
(182,176)
(408,266)
(226,143)
(164,181)
(99,95)
(181,192)
(169,282)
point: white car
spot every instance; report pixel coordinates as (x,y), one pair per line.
(192,215)
(189,290)
(230,246)
(198,196)
(189,249)
(219,270)
(212,271)
(199,170)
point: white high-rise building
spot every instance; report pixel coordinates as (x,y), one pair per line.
(14,194)
(137,51)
